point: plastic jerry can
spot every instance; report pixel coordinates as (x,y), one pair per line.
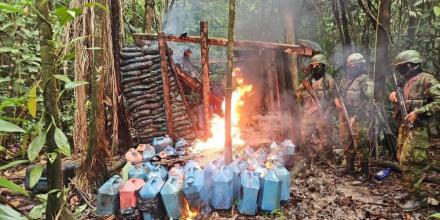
(149,201)
(236,176)
(284,176)
(177,171)
(107,202)
(190,164)
(133,156)
(148,153)
(167,152)
(248,197)
(193,185)
(128,193)
(160,143)
(274,146)
(172,196)
(289,147)
(260,155)
(141,147)
(156,169)
(181,143)
(222,188)
(270,191)
(209,170)
(247,153)
(138,171)
(276,157)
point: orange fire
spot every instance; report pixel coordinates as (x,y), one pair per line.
(217,140)
(187,213)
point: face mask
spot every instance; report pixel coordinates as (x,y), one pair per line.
(318,72)
(353,71)
(402,69)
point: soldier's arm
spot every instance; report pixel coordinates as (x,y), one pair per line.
(433,91)
(299,93)
(368,88)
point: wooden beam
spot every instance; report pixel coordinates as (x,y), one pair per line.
(166,84)
(204,52)
(290,48)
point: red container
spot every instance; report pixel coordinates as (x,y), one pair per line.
(133,156)
(128,193)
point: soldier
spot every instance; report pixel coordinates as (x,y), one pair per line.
(315,92)
(418,148)
(357,91)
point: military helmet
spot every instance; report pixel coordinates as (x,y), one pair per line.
(407,56)
(355,59)
(319,58)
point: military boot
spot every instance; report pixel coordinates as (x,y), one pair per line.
(365,172)
(349,169)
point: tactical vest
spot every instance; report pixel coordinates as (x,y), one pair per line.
(356,102)
(318,86)
(415,94)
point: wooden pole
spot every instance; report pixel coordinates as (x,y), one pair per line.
(228,92)
(166,84)
(204,51)
(270,83)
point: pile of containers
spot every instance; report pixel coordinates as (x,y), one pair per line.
(257,180)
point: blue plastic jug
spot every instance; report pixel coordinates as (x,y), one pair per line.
(108,197)
(160,143)
(247,153)
(138,171)
(289,147)
(177,171)
(156,169)
(222,188)
(260,155)
(172,197)
(236,176)
(193,185)
(270,191)
(247,200)
(209,170)
(149,202)
(276,157)
(148,153)
(190,164)
(284,176)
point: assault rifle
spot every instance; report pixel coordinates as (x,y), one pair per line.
(346,118)
(401,103)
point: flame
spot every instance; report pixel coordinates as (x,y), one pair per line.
(217,140)
(187,213)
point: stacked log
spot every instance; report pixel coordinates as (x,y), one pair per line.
(141,80)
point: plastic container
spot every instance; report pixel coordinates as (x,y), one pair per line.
(222,188)
(172,197)
(284,176)
(128,193)
(247,153)
(150,202)
(382,174)
(138,171)
(269,196)
(236,176)
(160,143)
(156,169)
(107,201)
(168,152)
(276,157)
(141,148)
(288,147)
(209,170)
(148,153)
(260,155)
(274,146)
(177,171)
(133,156)
(181,143)
(190,164)
(248,197)
(193,185)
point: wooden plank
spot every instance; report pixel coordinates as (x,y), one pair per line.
(166,85)
(289,48)
(206,91)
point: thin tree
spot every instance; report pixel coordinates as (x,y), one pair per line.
(228,92)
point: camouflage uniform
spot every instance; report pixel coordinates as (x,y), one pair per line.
(417,148)
(357,94)
(315,125)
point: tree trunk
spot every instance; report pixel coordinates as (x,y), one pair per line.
(121,134)
(412,27)
(382,49)
(338,20)
(228,92)
(50,94)
(149,16)
(206,91)
(347,43)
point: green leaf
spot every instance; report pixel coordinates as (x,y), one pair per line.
(37,212)
(64,15)
(125,170)
(437,11)
(35,174)
(7,8)
(52,156)
(13,164)
(62,142)
(63,78)
(36,146)
(9,127)
(12,186)
(8,213)
(101,6)
(5,79)
(435,216)
(32,101)
(71,85)
(9,50)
